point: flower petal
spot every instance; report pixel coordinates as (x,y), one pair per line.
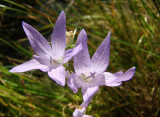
(42,60)
(74,82)
(37,41)
(72,52)
(126,76)
(67,74)
(29,65)
(58,75)
(114,84)
(80,113)
(71,84)
(100,59)
(102,79)
(82,59)
(58,39)
(105,78)
(87,96)
(97,80)
(118,73)
(87,116)
(109,78)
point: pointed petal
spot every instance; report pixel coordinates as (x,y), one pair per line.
(37,41)
(98,80)
(100,59)
(126,76)
(29,65)
(71,83)
(109,78)
(102,79)
(58,75)
(78,112)
(118,73)
(87,116)
(114,84)
(84,88)
(42,60)
(87,97)
(74,82)
(58,39)
(72,52)
(67,74)
(82,59)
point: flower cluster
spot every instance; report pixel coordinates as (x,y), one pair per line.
(89,73)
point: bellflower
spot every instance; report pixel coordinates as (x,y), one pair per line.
(49,58)
(90,74)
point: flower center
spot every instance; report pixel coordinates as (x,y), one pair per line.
(88,76)
(55,62)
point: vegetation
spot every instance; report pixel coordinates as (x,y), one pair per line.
(135,41)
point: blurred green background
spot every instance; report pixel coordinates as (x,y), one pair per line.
(135,41)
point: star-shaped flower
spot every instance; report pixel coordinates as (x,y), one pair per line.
(49,58)
(90,74)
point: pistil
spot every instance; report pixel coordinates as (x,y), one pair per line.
(88,78)
(54,61)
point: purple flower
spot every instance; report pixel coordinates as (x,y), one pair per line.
(90,74)
(49,58)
